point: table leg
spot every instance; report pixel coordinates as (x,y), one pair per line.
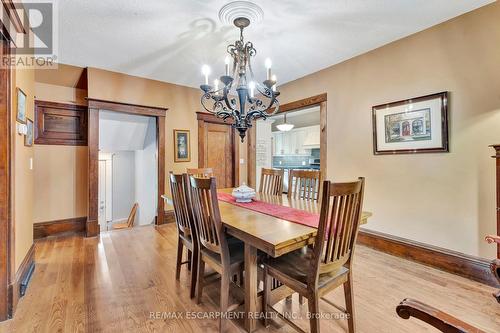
(250,287)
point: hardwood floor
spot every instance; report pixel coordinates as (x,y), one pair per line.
(112,283)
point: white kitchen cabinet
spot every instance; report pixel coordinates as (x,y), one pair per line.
(293,142)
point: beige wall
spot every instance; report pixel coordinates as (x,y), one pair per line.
(447,200)
(61,171)
(22,181)
(182,103)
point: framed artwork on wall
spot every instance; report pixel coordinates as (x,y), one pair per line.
(21,106)
(29,137)
(411,126)
(182,146)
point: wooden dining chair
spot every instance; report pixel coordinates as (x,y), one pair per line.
(271,181)
(201,172)
(223,256)
(130,220)
(186,233)
(314,272)
(304,184)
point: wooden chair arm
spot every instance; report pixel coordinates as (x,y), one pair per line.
(492,239)
(434,317)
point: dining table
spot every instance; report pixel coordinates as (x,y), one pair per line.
(272,235)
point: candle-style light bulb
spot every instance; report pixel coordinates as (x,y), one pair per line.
(268,64)
(226,61)
(205,70)
(216,86)
(275,80)
(252,89)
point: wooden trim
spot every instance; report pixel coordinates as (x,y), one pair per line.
(22,271)
(160,137)
(6,225)
(474,268)
(11,9)
(320,100)
(144,110)
(92,227)
(73,225)
(497,157)
(303,103)
(210,118)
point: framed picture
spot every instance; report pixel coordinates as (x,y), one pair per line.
(21,106)
(28,138)
(417,125)
(182,148)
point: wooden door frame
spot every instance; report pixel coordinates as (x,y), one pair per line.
(94,105)
(204,118)
(318,100)
(6,223)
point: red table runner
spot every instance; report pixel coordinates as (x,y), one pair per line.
(281,212)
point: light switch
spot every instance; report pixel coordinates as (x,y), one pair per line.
(31,163)
(242,161)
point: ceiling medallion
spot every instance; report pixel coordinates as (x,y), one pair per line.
(236,95)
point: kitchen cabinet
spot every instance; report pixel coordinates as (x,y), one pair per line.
(292,142)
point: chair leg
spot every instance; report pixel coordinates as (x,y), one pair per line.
(313,303)
(180,246)
(199,283)
(189,259)
(265,298)
(194,271)
(224,300)
(349,304)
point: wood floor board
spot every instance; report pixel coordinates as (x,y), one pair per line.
(113,282)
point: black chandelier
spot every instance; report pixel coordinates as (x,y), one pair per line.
(240,98)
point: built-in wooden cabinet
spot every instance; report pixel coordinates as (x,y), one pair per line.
(298,141)
(60,124)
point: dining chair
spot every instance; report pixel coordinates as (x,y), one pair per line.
(201,172)
(314,272)
(271,181)
(304,184)
(224,256)
(186,233)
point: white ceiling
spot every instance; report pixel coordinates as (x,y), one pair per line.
(169,40)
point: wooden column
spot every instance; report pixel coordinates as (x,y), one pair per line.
(497,157)
(92,227)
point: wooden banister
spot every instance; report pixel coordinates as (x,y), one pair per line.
(434,317)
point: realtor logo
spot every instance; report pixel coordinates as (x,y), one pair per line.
(38,45)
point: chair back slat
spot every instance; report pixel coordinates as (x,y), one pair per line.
(271,181)
(341,208)
(207,215)
(180,200)
(201,172)
(304,184)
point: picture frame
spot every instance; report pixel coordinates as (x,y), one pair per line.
(412,126)
(21,106)
(29,137)
(182,146)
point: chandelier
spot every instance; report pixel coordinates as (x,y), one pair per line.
(236,95)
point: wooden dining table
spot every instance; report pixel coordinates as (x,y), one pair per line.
(271,235)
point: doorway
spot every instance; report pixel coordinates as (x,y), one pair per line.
(127,169)
(218,149)
(258,140)
(125,131)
